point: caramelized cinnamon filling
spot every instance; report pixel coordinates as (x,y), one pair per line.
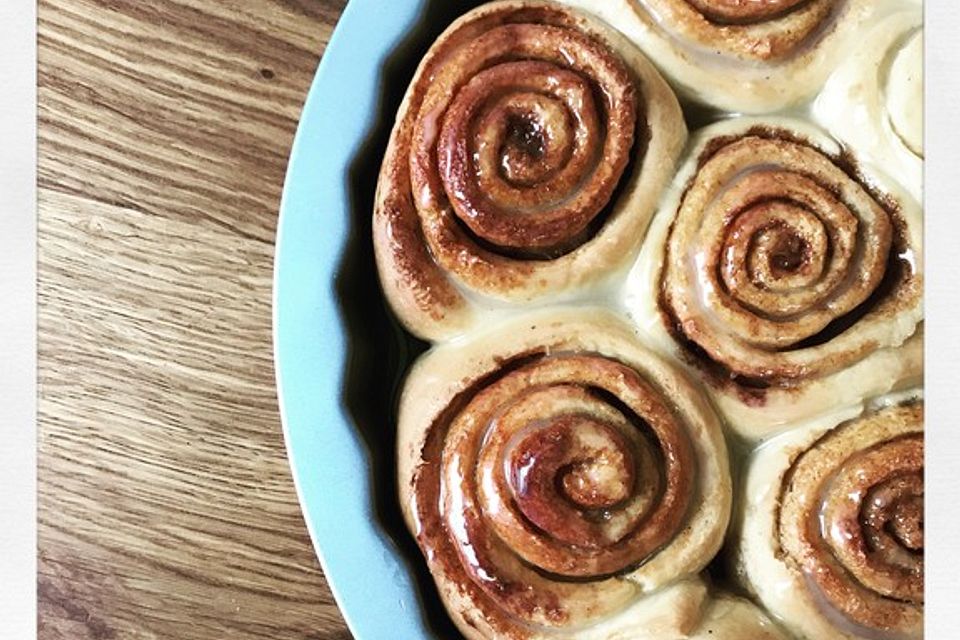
(523,136)
(548,477)
(776,250)
(527,136)
(745,11)
(852,518)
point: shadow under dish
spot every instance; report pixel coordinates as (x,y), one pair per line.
(379,350)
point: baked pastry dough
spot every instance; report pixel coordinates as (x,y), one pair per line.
(832,526)
(874,100)
(525,163)
(563,467)
(740,56)
(791,282)
(563,481)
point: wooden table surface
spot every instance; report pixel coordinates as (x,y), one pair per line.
(167,508)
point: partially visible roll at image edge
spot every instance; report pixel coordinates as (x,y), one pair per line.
(830,530)
(742,57)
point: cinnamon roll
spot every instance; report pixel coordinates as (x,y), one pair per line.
(832,526)
(562,481)
(874,100)
(524,165)
(791,282)
(749,57)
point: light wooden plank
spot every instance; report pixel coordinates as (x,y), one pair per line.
(166,504)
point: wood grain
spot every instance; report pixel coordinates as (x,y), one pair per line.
(165,499)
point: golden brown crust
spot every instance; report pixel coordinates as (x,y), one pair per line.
(525,162)
(776,266)
(747,56)
(845,526)
(768,30)
(554,471)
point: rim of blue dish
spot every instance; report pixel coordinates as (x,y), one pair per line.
(331,329)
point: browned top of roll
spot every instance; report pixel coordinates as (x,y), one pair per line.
(782,264)
(545,478)
(851,521)
(761,30)
(744,11)
(507,153)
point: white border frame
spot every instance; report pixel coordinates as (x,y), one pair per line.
(942,372)
(18,550)
(18,343)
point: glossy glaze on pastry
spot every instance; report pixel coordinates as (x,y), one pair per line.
(874,100)
(524,165)
(785,276)
(565,482)
(565,448)
(832,524)
(741,56)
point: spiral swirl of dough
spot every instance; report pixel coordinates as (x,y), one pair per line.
(747,56)
(525,163)
(776,267)
(848,533)
(874,99)
(556,475)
